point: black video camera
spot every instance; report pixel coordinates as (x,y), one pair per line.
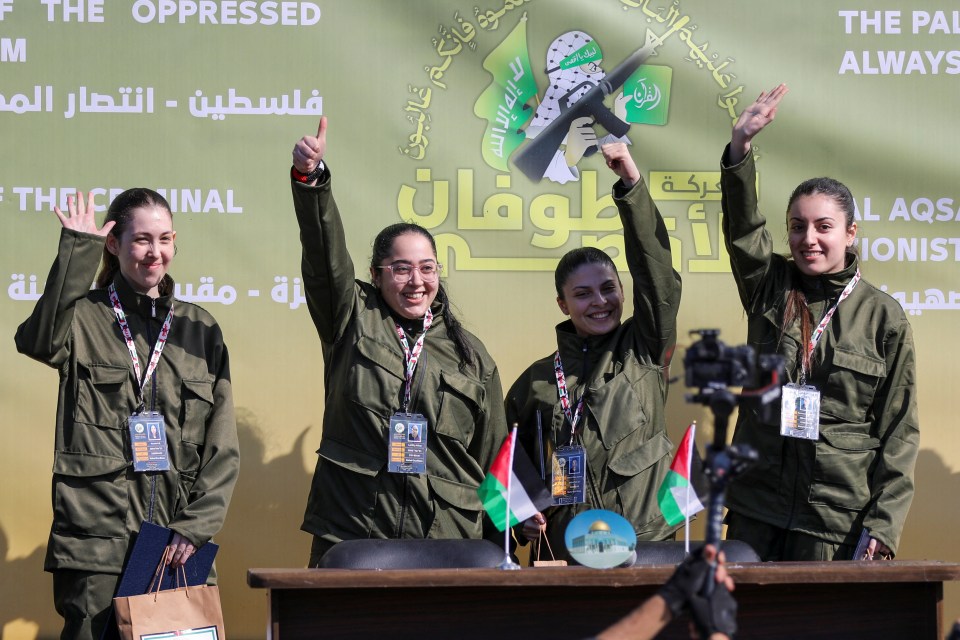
(710,365)
(713,367)
(709,362)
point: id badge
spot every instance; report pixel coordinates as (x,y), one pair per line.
(148,442)
(407,449)
(800,412)
(569,473)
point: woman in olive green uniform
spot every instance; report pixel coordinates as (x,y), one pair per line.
(605,388)
(823,477)
(391,348)
(94,338)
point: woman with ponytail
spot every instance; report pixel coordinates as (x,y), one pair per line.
(593,412)
(141,374)
(413,412)
(836,469)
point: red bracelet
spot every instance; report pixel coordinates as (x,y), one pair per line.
(307,178)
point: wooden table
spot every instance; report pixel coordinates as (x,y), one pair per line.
(848,600)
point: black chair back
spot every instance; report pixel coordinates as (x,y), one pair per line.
(671,552)
(412,553)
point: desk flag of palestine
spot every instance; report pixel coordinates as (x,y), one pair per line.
(678,493)
(527,493)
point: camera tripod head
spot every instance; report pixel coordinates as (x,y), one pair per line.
(713,367)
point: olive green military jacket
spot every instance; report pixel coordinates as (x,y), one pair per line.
(860,471)
(352,494)
(99,502)
(623,376)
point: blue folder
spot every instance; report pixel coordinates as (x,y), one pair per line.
(142,566)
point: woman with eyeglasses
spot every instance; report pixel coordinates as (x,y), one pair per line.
(397,361)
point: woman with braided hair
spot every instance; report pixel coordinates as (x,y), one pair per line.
(838,465)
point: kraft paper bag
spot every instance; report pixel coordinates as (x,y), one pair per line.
(183,612)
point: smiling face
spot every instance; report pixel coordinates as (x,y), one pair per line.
(408,295)
(818,234)
(593,298)
(145,248)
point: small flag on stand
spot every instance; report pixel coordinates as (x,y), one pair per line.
(678,494)
(519,493)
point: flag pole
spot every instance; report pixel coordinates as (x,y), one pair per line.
(508,562)
(686,515)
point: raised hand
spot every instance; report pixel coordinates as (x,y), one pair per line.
(620,161)
(80,216)
(309,150)
(753,120)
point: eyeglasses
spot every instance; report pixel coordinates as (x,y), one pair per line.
(402,272)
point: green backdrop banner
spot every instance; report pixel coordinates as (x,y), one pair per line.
(435,111)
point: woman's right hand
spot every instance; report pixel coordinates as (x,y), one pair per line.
(80,216)
(752,121)
(534,526)
(309,150)
(618,158)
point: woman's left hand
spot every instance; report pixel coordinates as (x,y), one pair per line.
(534,527)
(876,550)
(179,551)
(753,120)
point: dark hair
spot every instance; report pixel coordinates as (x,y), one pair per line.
(121,212)
(383,249)
(833,189)
(796,305)
(576,258)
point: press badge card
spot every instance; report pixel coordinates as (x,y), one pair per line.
(569,473)
(800,412)
(148,442)
(407,449)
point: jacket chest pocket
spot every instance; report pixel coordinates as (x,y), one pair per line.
(103,395)
(103,404)
(376,377)
(196,406)
(461,403)
(851,385)
(618,406)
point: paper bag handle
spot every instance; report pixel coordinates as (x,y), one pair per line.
(158,580)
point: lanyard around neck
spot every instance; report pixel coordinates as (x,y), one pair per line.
(132,348)
(573,416)
(818,332)
(412,356)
